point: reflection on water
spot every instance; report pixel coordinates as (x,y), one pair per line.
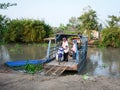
(4,54)
(16,52)
(103,62)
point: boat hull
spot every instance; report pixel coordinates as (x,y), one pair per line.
(24,62)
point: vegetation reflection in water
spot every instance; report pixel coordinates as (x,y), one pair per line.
(105,61)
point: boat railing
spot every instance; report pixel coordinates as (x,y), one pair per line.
(51,51)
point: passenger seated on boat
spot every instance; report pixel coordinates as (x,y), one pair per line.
(66,49)
(73,49)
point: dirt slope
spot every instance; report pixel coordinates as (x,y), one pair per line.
(21,81)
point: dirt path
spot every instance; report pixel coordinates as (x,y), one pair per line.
(21,81)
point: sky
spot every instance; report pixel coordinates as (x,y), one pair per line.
(56,12)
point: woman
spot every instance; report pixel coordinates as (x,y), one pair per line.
(74,49)
(66,49)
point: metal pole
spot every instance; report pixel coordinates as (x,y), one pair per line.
(48,50)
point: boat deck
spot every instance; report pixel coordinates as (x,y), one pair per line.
(56,68)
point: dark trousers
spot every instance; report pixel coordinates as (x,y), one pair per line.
(74,55)
(66,56)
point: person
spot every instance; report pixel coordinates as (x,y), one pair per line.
(66,49)
(73,49)
(60,54)
(79,44)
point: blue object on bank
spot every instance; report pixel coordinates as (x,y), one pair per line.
(24,62)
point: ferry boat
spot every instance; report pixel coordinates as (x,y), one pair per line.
(76,64)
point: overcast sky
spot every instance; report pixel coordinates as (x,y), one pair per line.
(55,12)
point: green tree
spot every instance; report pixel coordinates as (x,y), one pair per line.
(73,25)
(14,32)
(33,31)
(4,21)
(111,34)
(88,20)
(27,30)
(73,21)
(62,28)
(110,37)
(113,22)
(48,30)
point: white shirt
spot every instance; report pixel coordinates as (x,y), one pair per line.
(65,46)
(74,48)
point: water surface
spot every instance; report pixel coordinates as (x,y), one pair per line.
(16,52)
(103,62)
(99,61)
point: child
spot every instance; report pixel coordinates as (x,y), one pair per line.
(60,53)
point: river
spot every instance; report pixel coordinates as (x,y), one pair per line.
(105,61)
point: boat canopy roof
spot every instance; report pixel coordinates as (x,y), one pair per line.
(60,36)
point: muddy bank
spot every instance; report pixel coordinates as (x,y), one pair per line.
(22,81)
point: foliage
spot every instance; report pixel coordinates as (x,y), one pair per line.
(96,42)
(14,31)
(86,22)
(6,5)
(73,24)
(111,34)
(100,46)
(70,28)
(113,22)
(4,21)
(48,30)
(33,31)
(85,76)
(111,37)
(89,21)
(27,30)
(30,68)
(73,21)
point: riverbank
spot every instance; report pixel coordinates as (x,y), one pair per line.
(22,81)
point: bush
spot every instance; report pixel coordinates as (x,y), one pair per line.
(27,30)
(30,68)
(111,37)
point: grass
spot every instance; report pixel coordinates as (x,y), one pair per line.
(32,69)
(85,76)
(29,68)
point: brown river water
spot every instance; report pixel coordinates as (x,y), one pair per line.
(99,61)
